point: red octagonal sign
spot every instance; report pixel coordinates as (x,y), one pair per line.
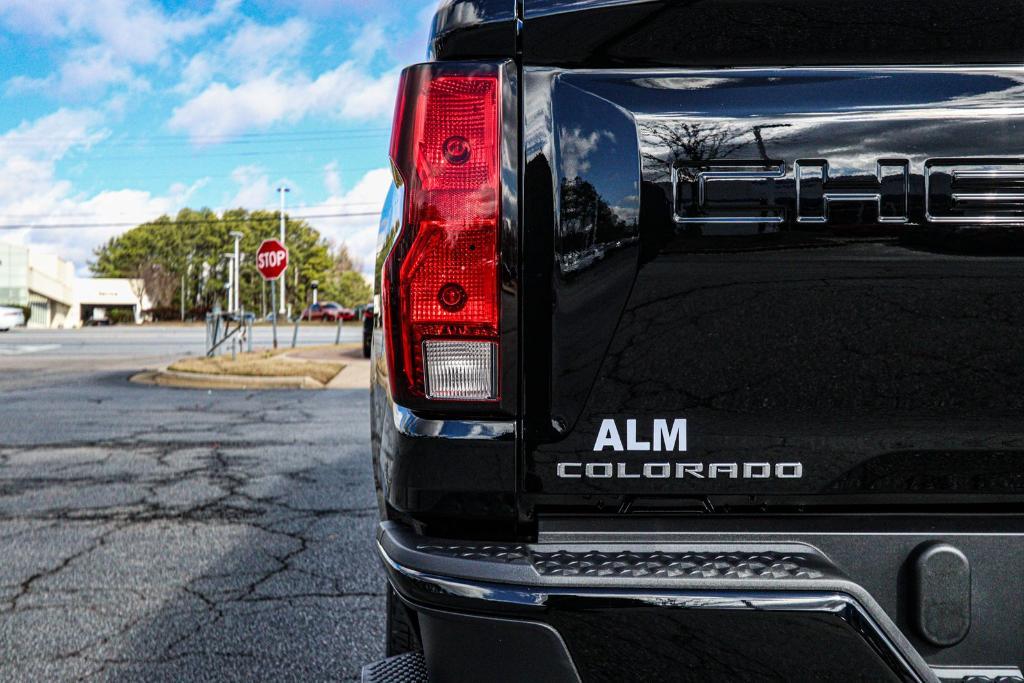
(271,259)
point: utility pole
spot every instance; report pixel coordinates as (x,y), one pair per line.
(283,190)
(230,286)
(184,294)
(238,236)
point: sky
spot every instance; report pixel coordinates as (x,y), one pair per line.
(113,112)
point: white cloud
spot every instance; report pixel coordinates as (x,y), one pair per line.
(32,194)
(106,39)
(576,147)
(136,31)
(371,40)
(29,152)
(254,188)
(87,70)
(255,48)
(112,206)
(346,92)
(359,233)
(250,52)
(197,73)
(332,179)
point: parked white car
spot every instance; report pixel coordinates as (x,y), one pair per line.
(11,317)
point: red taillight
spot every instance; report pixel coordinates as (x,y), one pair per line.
(440,280)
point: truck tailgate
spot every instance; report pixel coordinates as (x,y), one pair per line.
(819,270)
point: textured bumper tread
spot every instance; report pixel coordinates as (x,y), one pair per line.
(407,668)
(483,553)
(672,565)
(641,565)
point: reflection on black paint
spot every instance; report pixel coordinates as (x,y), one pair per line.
(589,226)
(871,352)
(673,143)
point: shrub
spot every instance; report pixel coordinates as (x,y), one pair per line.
(119,316)
(162,313)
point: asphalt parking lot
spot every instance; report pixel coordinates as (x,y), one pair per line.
(149,533)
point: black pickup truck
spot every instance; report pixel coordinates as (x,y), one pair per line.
(698,351)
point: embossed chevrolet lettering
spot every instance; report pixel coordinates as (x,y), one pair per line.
(950,190)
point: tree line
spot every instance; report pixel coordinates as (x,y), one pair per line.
(184,258)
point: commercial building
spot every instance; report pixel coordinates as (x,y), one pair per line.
(47,285)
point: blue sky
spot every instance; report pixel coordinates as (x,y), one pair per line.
(113,112)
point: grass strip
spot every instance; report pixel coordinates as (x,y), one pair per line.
(260,364)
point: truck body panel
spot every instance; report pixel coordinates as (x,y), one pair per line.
(819,270)
(757,409)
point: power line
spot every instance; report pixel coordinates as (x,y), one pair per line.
(277,173)
(228,155)
(146,144)
(231,143)
(123,213)
(219,221)
(331,132)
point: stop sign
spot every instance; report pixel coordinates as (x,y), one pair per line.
(271,259)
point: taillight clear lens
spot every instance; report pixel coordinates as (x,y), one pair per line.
(460,370)
(441,277)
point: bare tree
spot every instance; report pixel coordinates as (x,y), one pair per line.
(156,282)
(670,143)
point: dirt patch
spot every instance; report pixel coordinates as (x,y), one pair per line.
(261,364)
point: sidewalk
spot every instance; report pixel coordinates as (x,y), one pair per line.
(356,373)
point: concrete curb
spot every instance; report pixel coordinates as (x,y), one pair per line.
(195,380)
(354,375)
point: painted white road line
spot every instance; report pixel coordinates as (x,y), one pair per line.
(23,349)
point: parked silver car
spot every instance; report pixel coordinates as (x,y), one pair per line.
(11,317)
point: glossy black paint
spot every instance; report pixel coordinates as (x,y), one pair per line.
(880,552)
(729,33)
(627,628)
(883,356)
(474,29)
(654,643)
(875,340)
(454,468)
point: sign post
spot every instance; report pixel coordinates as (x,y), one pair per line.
(271,262)
(273,307)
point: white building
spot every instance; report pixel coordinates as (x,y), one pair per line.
(48,286)
(103,293)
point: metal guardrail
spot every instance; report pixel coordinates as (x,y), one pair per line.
(235,331)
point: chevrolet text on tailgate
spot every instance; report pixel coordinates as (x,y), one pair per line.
(698,349)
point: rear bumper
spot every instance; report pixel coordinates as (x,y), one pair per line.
(630,611)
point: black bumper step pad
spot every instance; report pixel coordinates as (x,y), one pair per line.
(405,668)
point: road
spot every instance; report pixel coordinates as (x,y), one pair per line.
(150,533)
(30,357)
(145,340)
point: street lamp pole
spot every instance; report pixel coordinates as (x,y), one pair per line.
(238,236)
(283,190)
(230,286)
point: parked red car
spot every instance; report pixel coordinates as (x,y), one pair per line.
(328,310)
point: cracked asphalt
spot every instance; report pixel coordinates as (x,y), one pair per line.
(164,534)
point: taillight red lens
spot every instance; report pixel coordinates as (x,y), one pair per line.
(440,280)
